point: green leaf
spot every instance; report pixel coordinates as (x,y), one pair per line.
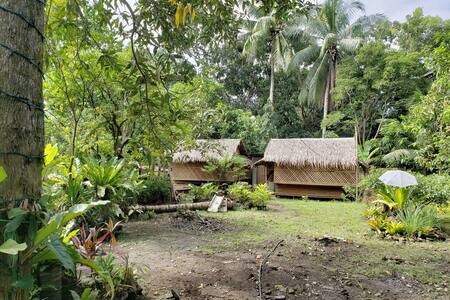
(43,255)
(12,225)
(24,282)
(12,247)
(13,212)
(70,235)
(62,219)
(50,153)
(59,249)
(2,174)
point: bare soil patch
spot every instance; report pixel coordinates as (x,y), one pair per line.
(174,248)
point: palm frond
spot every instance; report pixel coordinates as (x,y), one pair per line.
(282,52)
(304,56)
(349,45)
(264,24)
(396,156)
(251,44)
(318,81)
(362,25)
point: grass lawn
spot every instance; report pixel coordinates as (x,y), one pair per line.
(303,221)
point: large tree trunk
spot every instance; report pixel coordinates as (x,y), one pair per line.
(21,113)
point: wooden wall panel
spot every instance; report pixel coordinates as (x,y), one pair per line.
(261,174)
(314,176)
(194,172)
(189,172)
(309,191)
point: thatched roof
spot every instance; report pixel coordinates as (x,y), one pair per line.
(326,153)
(207,149)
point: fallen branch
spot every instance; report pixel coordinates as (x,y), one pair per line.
(178,206)
(261,266)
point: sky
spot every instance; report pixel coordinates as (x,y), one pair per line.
(398,9)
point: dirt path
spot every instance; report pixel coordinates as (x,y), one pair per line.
(176,260)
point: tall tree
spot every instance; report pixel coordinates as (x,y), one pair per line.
(267,34)
(22,114)
(330,32)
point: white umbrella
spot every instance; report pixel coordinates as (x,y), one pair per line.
(398,178)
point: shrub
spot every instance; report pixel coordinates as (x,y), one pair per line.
(393,198)
(260,196)
(372,211)
(349,193)
(394,227)
(229,167)
(370,182)
(105,175)
(377,223)
(433,188)
(186,198)
(157,189)
(203,192)
(418,220)
(239,192)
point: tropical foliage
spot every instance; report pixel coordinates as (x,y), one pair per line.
(127,81)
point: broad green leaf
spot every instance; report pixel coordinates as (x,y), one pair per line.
(69,236)
(45,232)
(13,212)
(59,249)
(24,282)
(43,255)
(12,225)
(2,174)
(50,153)
(12,247)
(61,219)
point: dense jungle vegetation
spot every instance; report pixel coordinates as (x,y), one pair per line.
(125,83)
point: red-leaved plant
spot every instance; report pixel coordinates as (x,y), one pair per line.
(90,244)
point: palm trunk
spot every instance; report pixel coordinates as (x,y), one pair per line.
(272,82)
(325,102)
(21,116)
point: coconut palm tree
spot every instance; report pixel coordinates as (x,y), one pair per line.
(331,37)
(266,26)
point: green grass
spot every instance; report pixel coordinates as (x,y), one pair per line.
(290,219)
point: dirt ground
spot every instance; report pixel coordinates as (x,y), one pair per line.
(175,262)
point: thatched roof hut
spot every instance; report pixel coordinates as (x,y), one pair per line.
(313,167)
(187,165)
(321,153)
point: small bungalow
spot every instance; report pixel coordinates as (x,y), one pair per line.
(187,166)
(313,167)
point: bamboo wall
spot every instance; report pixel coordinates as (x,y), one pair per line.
(314,176)
(291,190)
(189,172)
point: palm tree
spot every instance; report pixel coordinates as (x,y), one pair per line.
(267,27)
(21,121)
(331,37)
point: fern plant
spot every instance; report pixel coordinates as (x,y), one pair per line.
(203,192)
(104,175)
